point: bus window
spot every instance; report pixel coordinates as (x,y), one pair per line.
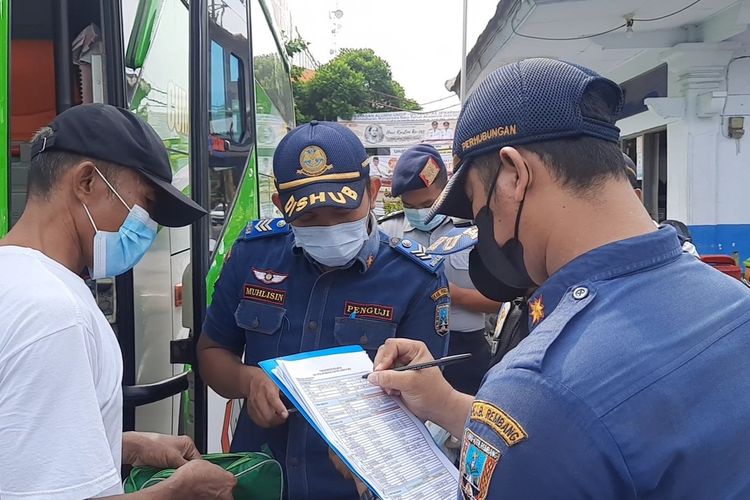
(235,96)
(230,119)
(274,106)
(227,119)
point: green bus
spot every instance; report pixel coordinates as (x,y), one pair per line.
(213,79)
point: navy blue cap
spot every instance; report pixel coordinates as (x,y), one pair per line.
(320,164)
(532,100)
(116,135)
(417,168)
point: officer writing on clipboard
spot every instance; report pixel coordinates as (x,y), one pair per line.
(320,277)
(616,392)
(419,178)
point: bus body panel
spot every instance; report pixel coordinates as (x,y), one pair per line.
(4,114)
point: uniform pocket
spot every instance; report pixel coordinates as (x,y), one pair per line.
(262,324)
(260,318)
(368,333)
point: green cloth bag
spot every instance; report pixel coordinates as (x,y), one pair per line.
(259,476)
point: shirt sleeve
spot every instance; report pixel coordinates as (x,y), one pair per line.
(528,438)
(54,443)
(428,316)
(220,324)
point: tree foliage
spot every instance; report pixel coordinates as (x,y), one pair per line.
(355,81)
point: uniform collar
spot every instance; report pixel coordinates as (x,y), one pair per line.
(369,250)
(408,227)
(366,255)
(606,262)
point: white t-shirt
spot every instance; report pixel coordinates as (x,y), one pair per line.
(60,384)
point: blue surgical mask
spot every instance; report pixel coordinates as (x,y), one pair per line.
(332,246)
(416,217)
(117,253)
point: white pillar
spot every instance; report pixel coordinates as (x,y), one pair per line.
(707,184)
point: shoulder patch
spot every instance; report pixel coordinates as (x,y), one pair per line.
(391,215)
(418,253)
(478,462)
(455,240)
(496,419)
(262,228)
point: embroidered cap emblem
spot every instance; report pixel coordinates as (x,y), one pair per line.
(313,162)
(429,172)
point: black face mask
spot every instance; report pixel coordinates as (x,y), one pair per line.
(500,272)
(486,283)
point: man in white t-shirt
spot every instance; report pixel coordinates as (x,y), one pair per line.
(97,176)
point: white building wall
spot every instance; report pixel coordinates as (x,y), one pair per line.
(708,177)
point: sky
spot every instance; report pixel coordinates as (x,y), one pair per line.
(420,39)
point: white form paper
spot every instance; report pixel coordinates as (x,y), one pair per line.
(383,442)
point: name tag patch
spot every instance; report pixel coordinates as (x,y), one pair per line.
(478,462)
(496,419)
(262,294)
(373,311)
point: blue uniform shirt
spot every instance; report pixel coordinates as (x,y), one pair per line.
(634,383)
(272,300)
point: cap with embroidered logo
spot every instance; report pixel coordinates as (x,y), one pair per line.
(417,168)
(320,164)
(528,101)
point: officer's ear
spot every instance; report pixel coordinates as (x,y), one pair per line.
(374,188)
(277,201)
(513,160)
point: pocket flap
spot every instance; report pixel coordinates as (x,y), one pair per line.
(369,333)
(261,318)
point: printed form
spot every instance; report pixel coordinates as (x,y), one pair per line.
(384,443)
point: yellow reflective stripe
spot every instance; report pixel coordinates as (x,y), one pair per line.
(321,178)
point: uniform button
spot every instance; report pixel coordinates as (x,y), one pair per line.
(580,293)
(294,461)
(406,243)
(313,325)
(363,339)
(256,323)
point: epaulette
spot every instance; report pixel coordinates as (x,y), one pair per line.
(417,253)
(391,215)
(263,228)
(455,240)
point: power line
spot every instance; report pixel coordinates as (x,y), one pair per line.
(668,15)
(583,37)
(420,104)
(437,100)
(375,103)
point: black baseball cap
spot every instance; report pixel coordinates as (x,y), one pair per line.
(116,135)
(532,100)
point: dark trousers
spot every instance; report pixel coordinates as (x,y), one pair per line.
(467,376)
